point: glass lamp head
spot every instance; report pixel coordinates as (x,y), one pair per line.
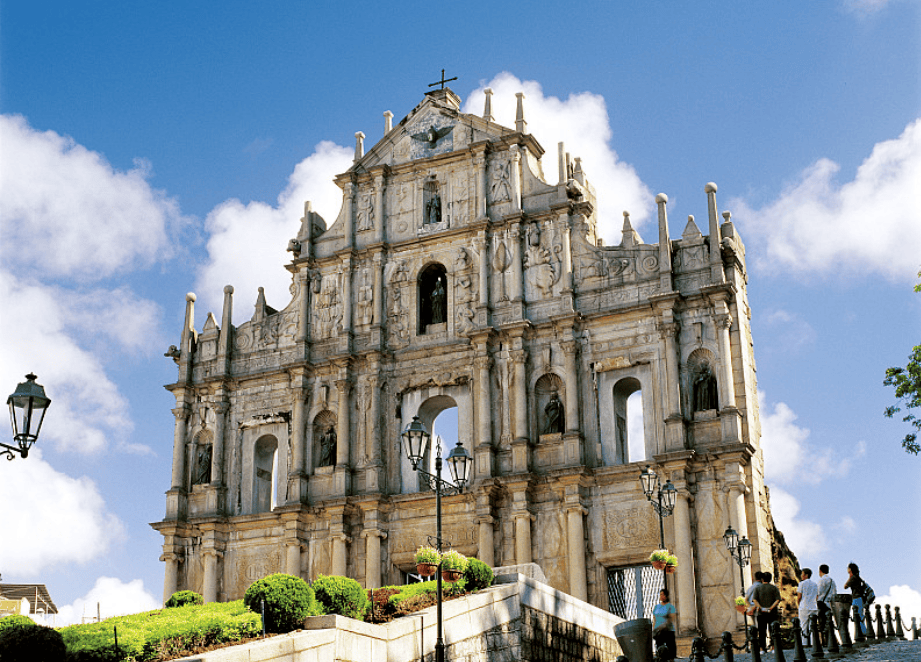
(415,441)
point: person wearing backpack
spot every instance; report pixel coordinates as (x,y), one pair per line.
(857,586)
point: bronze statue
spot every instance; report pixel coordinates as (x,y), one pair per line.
(554,422)
(704,391)
(328,448)
(438,302)
(203,468)
(433,210)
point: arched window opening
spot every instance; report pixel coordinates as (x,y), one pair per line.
(433,298)
(439,415)
(444,427)
(630,442)
(265,461)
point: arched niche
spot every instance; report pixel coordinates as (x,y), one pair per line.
(551,418)
(322,454)
(432,298)
(200,466)
(427,404)
(701,388)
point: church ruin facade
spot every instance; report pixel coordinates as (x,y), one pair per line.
(460,274)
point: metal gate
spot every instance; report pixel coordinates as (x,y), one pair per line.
(633,591)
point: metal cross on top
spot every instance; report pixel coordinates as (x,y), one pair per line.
(442,81)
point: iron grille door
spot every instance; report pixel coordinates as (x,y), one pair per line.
(633,591)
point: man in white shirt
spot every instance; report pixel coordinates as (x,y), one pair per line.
(807,591)
(750,592)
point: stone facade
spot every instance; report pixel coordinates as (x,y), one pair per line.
(455,275)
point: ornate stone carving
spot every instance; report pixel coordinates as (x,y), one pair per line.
(365,212)
(328,308)
(629,527)
(365,298)
(500,188)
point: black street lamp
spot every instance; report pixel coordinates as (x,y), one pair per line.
(415,441)
(665,497)
(741,552)
(28,405)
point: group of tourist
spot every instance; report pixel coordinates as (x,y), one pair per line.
(763,600)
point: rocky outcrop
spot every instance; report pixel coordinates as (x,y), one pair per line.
(786,569)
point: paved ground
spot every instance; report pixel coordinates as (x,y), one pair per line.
(891,651)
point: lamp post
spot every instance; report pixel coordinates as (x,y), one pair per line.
(415,441)
(741,552)
(665,497)
(28,405)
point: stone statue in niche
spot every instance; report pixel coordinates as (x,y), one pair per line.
(499,188)
(433,210)
(438,302)
(553,415)
(203,465)
(328,448)
(365,299)
(704,394)
(365,212)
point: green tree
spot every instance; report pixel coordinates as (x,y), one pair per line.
(907,384)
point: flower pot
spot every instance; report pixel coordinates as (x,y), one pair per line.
(451,575)
(426,569)
(671,569)
(658,565)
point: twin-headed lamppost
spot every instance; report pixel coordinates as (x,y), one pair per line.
(415,442)
(28,405)
(665,497)
(741,552)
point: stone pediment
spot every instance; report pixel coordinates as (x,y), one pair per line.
(434,127)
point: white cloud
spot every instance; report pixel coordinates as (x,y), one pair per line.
(247,244)
(907,599)
(869,224)
(582,123)
(864,7)
(806,537)
(50,518)
(789,330)
(88,408)
(66,208)
(789,457)
(113,597)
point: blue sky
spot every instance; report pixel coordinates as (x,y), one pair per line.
(151,149)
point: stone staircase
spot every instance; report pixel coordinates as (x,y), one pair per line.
(517,619)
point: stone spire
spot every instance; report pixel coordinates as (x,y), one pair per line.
(388,121)
(359,145)
(520,125)
(487,110)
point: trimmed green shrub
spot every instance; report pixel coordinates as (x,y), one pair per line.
(288,601)
(341,595)
(16,621)
(183,598)
(160,634)
(31,644)
(477,575)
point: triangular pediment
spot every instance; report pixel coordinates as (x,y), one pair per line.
(434,127)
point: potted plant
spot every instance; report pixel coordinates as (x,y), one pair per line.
(671,564)
(453,564)
(740,604)
(427,560)
(658,558)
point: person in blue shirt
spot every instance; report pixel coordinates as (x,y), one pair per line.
(663,627)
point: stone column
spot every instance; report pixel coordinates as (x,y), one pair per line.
(667,333)
(171,575)
(727,386)
(738,521)
(515,176)
(297,471)
(379,208)
(339,560)
(479,161)
(665,246)
(567,251)
(303,307)
(293,558)
(181,412)
(523,537)
(517,275)
(572,385)
(578,582)
(349,191)
(520,397)
(378,319)
(486,540)
(373,539)
(346,296)
(343,436)
(224,341)
(210,558)
(686,600)
(479,242)
(217,455)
